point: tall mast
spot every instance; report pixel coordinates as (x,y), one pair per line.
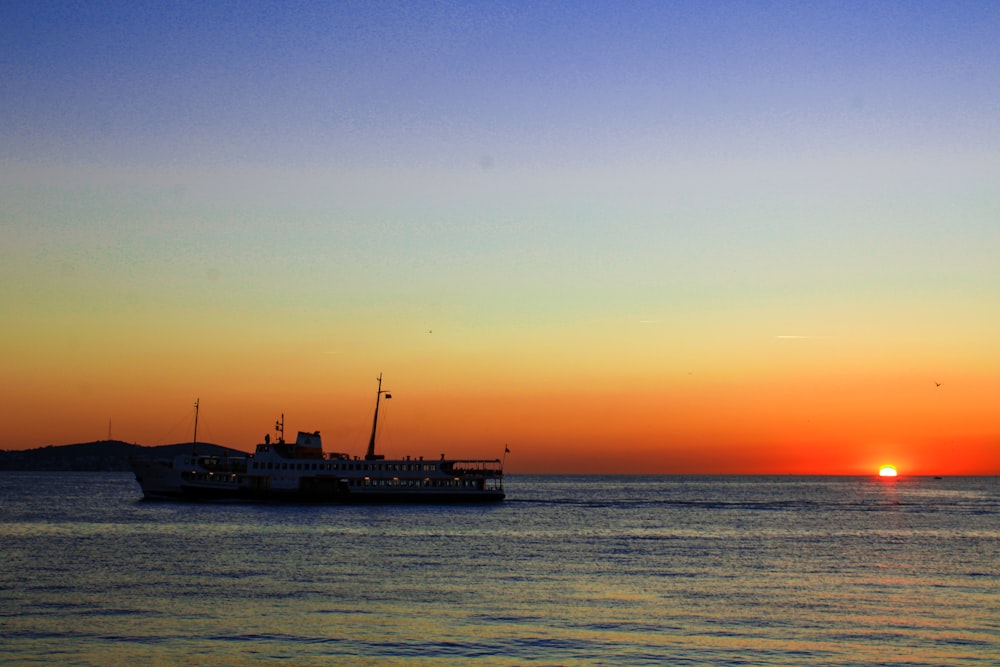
(195,441)
(370,455)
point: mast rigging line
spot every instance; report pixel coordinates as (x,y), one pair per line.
(187,418)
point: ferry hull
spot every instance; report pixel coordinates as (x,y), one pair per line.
(162,480)
(187,493)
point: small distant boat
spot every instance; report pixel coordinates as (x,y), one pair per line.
(303,472)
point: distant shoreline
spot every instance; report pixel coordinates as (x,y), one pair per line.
(99,456)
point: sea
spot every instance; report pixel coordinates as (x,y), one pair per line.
(569,570)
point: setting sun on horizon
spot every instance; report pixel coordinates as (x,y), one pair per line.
(660,238)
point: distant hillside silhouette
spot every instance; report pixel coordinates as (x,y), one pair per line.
(103,455)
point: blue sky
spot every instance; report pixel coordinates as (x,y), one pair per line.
(451,85)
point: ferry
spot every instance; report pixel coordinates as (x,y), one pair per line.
(301,471)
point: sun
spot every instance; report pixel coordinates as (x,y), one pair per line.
(887,471)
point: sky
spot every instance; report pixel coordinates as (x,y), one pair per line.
(664,237)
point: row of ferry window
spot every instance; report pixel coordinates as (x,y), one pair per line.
(416,482)
(208,477)
(380,467)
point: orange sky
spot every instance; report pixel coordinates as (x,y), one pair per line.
(699,390)
(839,424)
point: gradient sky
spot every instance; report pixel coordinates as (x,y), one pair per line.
(661,237)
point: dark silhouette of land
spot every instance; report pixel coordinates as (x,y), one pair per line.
(103,455)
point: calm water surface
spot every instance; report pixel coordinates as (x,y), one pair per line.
(570,570)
